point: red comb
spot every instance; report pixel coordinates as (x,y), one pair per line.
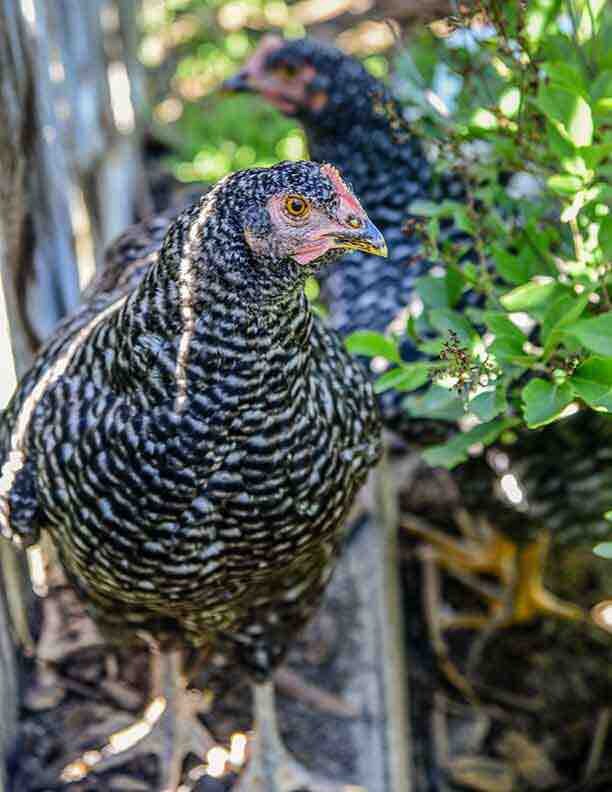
(346,196)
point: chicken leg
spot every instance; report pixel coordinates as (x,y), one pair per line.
(483,550)
(271,768)
(169,728)
(531,599)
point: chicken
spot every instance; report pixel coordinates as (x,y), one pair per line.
(194,437)
(351,119)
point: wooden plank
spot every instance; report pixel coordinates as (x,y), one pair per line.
(380,673)
(364,740)
(8,664)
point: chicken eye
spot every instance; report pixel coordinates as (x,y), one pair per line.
(287,71)
(354,221)
(296,206)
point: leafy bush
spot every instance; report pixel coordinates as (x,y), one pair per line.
(518,99)
(190,47)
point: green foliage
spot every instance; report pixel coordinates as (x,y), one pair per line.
(521,111)
(453,452)
(191,46)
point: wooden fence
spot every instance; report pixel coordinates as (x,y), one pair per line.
(70,179)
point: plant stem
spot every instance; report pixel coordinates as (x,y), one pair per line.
(577,238)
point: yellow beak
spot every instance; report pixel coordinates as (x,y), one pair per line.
(369,240)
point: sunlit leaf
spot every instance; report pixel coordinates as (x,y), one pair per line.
(603,549)
(503,327)
(569,111)
(531,294)
(372,344)
(312,289)
(404,378)
(565,184)
(580,124)
(510,101)
(592,382)
(595,334)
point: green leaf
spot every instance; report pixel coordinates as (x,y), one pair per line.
(443,319)
(605,235)
(312,289)
(529,295)
(556,103)
(506,350)
(411,330)
(440,292)
(404,378)
(566,76)
(433,347)
(592,382)
(437,402)
(594,334)
(569,111)
(543,402)
(462,218)
(558,144)
(580,124)
(433,291)
(503,327)
(510,101)
(565,184)
(489,403)
(603,549)
(371,344)
(471,273)
(593,155)
(536,256)
(454,282)
(456,450)
(537,15)
(424,208)
(563,311)
(602,86)
(511,267)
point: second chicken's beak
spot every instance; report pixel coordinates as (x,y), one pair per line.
(368,239)
(239,83)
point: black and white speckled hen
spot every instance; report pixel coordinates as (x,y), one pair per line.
(351,120)
(194,437)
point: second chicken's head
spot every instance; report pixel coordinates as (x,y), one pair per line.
(308,79)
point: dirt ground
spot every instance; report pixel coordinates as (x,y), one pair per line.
(511,708)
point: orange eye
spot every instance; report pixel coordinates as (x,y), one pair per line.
(354,221)
(286,72)
(296,206)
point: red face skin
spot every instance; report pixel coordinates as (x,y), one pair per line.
(286,92)
(308,237)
